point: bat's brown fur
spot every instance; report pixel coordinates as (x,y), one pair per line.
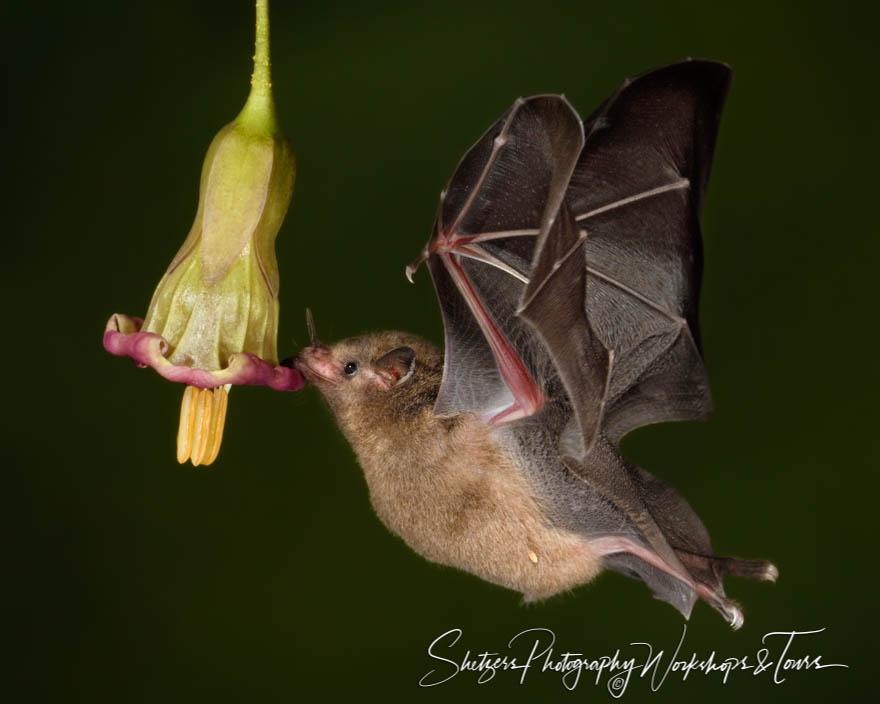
(443,484)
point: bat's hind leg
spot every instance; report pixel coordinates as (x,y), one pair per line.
(715,568)
(704,573)
(720,566)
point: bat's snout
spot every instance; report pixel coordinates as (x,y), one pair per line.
(315,363)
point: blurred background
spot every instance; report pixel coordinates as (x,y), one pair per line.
(267,577)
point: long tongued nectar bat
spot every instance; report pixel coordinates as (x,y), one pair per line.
(566,257)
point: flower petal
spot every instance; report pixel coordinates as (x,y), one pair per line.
(122,337)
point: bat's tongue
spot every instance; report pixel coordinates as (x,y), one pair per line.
(310,324)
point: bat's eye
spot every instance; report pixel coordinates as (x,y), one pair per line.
(351,368)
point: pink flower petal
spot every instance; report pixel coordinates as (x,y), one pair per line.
(122,337)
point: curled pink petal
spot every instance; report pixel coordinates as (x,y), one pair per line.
(122,337)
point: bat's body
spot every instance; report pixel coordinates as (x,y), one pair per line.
(566,257)
(448,485)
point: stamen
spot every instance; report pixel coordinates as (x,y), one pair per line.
(185,429)
(221,402)
(202,426)
(202,420)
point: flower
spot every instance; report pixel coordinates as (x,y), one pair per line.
(213,318)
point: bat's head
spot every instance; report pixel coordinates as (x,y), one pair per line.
(378,375)
(358,365)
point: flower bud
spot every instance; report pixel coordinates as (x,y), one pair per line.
(220,294)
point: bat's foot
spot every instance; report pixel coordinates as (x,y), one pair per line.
(751,569)
(730,610)
(736,619)
(703,574)
(771,573)
(720,566)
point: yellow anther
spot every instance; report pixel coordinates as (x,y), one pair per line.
(221,401)
(185,429)
(202,419)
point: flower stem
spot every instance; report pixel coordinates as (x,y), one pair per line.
(258,114)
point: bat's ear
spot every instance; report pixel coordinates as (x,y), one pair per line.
(395,367)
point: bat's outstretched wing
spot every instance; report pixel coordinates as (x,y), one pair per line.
(636,194)
(567,261)
(505,191)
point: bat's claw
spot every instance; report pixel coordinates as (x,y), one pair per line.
(736,618)
(415,264)
(751,569)
(730,610)
(770,573)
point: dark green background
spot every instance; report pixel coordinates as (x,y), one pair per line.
(267,577)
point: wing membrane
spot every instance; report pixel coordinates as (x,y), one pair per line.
(506,190)
(567,260)
(637,191)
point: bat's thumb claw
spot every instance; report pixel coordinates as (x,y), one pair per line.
(414,265)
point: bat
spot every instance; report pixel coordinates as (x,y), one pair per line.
(566,257)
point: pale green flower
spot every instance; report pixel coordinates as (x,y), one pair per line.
(213,319)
